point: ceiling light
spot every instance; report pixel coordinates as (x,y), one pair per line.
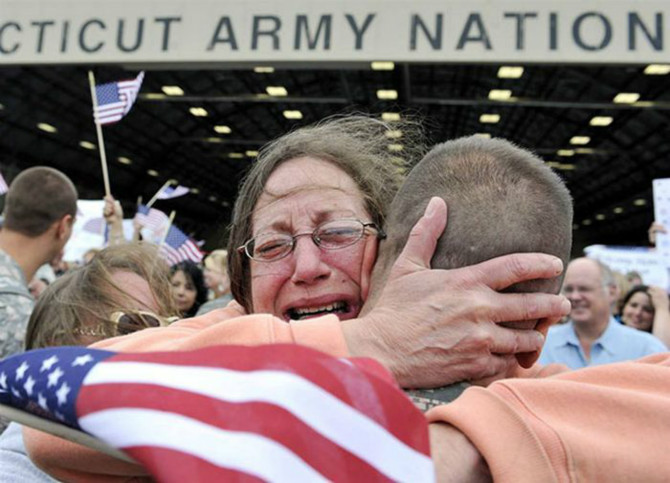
(581,140)
(195,191)
(395,147)
(213,140)
(293,114)
(626,97)
(152,172)
(566,152)
(87,145)
(277,91)
(198,111)
(600,217)
(394,134)
(484,135)
(221,129)
(567,166)
(601,121)
(510,72)
(585,151)
(225,204)
(500,94)
(251,154)
(152,95)
(553,164)
(618,210)
(381,65)
(46,127)
(586,222)
(124,160)
(489,118)
(390,116)
(640,202)
(235,155)
(657,69)
(2,106)
(575,226)
(213,199)
(264,70)
(173,90)
(387,94)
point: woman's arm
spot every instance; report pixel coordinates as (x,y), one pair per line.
(661,302)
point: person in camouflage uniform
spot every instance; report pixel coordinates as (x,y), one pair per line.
(40,208)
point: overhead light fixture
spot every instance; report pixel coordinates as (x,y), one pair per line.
(640,202)
(510,72)
(213,140)
(173,90)
(390,116)
(580,140)
(500,94)
(484,135)
(387,94)
(264,69)
(566,152)
(87,145)
(626,97)
(46,127)
(293,114)
(585,151)
(152,172)
(124,160)
(586,222)
(198,111)
(601,120)
(489,118)
(382,65)
(221,129)
(394,134)
(575,226)
(657,69)
(2,106)
(213,199)
(600,217)
(195,191)
(395,147)
(561,166)
(152,96)
(276,91)
(251,154)
(618,210)
(235,155)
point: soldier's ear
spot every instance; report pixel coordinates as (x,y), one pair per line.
(64,227)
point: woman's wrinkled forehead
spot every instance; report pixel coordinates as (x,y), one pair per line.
(309,180)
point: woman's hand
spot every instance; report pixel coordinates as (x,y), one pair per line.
(659,298)
(436,327)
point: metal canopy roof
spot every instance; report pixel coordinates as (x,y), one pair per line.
(610,176)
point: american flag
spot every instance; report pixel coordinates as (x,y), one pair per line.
(275,413)
(169,192)
(3,185)
(115,99)
(178,246)
(151,218)
(95,225)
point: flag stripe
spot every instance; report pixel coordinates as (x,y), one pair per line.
(269,421)
(241,451)
(392,457)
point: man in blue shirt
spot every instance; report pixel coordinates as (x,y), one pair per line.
(592,336)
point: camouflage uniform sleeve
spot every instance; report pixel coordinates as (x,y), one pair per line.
(15,309)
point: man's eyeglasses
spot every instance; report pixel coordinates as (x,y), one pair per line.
(332,235)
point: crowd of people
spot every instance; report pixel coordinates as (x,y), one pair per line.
(452,277)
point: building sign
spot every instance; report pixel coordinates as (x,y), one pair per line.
(239,31)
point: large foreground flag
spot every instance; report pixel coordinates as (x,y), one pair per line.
(170,192)
(4,188)
(274,413)
(116,98)
(178,246)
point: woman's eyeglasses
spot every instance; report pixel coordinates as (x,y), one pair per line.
(127,322)
(332,235)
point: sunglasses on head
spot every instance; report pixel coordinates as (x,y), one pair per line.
(128,322)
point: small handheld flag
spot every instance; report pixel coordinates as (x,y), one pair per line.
(3,185)
(169,192)
(178,246)
(114,99)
